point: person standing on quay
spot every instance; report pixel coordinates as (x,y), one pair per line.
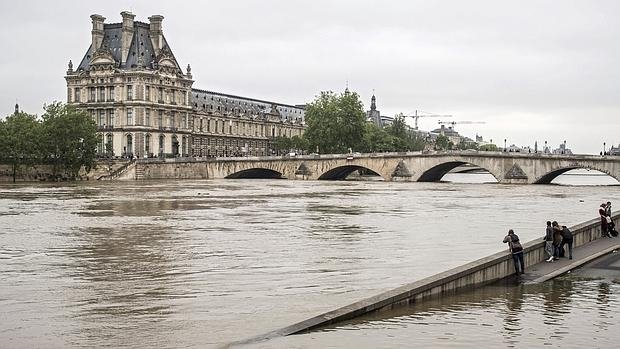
(557,242)
(567,238)
(610,222)
(516,249)
(608,209)
(604,227)
(549,242)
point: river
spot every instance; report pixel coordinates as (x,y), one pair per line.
(197,264)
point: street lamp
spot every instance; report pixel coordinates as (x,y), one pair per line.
(603,148)
(545,150)
(504,144)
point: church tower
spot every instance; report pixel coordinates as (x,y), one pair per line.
(373,114)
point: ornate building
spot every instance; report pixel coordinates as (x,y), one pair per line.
(145,106)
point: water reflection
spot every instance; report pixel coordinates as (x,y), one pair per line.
(512,317)
(127,275)
(469,319)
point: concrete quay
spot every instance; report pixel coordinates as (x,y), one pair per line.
(587,242)
(587,253)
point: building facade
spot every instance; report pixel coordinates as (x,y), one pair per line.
(145,105)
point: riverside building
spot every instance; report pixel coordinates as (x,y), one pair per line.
(145,105)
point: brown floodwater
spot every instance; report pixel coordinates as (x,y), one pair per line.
(195,264)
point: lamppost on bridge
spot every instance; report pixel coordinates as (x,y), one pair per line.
(504,145)
(545,149)
(603,148)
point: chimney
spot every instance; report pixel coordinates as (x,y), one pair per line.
(126,35)
(97,31)
(157,38)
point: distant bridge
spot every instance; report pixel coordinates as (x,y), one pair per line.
(522,168)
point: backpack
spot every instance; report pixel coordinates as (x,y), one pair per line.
(566,233)
(515,245)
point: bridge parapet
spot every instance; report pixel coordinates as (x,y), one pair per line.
(408,166)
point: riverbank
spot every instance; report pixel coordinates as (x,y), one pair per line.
(471,275)
(45,173)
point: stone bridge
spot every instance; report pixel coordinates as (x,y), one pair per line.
(411,166)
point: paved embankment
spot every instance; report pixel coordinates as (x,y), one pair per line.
(544,271)
(587,242)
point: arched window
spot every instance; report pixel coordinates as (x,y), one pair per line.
(129,148)
(175,146)
(147,144)
(109,144)
(162,139)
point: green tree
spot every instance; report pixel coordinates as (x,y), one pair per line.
(443,143)
(488,147)
(464,145)
(335,123)
(300,144)
(404,138)
(69,138)
(19,142)
(376,139)
(281,144)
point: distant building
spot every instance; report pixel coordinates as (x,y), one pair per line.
(449,132)
(562,150)
(386,120)
(373,115)
(145,105)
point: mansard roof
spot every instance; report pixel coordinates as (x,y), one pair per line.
(206,101)
(197,91)
(141,48)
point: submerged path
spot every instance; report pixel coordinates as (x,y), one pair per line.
(583,254)
(589,245)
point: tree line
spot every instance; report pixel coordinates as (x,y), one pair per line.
(63,137)
(336,123)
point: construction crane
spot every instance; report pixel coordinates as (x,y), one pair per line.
(466,122)
(416,116)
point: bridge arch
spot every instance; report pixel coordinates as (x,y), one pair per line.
(435,173)
(550,176)
(256,172)
(339,173)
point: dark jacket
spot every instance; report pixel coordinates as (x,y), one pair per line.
(608,210)
(549,234)
(601,212)
(566,233)
(513,242)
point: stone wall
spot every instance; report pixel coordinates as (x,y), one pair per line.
(44,172)
(30,174)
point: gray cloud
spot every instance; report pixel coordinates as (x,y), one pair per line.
(533,70)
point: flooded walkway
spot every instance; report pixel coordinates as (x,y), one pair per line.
(474,275)
(581,255)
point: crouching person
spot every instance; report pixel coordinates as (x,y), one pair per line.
(517,251)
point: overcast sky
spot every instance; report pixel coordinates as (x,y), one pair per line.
(532,70)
